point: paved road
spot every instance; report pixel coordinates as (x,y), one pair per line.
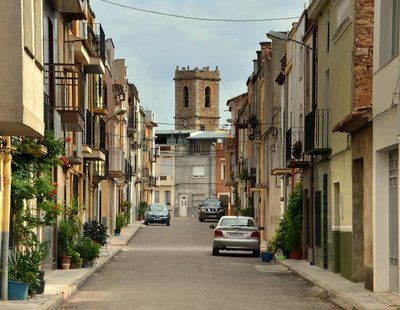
(171,268)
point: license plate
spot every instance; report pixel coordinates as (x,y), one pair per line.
(236,235)
(212,215)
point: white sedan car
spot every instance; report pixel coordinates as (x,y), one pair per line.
(237,233)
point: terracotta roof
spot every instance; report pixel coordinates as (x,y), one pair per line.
(354,121)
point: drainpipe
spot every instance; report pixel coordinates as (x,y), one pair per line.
(6,220)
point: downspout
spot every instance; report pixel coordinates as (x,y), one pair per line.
(6,220)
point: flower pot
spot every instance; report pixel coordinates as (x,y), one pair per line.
(295,254)
(117,232)
(266,256)
(65,262)
(40,289)
(17,290)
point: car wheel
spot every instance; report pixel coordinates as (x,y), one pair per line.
(167,223)
(256,253)
(215,251)
(146,223)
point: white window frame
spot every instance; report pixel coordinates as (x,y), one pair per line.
(198,172)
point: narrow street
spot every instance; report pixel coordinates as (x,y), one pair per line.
(172,268)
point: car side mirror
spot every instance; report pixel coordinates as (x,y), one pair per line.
(212,226)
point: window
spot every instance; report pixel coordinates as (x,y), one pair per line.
(156,196)
(207,97)
(167,198)
(186,96)
(343,12)
(166,166)
(33,35)
(389,38)
(395,27)
(198,172)
(223,172)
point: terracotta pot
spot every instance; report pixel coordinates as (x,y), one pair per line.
(295,254)
(65,262)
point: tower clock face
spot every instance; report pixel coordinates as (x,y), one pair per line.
(185,123)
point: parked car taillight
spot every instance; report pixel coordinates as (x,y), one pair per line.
(255,234)
(218,233)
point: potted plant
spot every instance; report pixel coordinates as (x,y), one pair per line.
(294,221)
(22,274)
(88,250)
(76,259)
(119,223)
(96,231)
(141,209)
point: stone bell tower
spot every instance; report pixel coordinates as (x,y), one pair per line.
(197,99)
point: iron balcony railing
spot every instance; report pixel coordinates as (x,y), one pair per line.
(100,95)
(88,129)
(295,155)
(317,132)
(117,161)
(99,133)
(95,40)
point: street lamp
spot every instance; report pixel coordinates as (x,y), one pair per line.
(119,112)
(281,36)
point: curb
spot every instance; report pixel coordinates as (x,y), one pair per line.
(327,292)
(71,289)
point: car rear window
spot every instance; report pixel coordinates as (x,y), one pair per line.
(237,222)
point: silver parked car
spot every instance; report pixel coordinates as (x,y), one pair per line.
(238,233)
(157,213)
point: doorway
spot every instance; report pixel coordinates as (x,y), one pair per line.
(182,205)
(393,223)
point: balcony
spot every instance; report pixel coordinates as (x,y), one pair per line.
(72,118)
(100,99)
(276,156)
(317,132)
(72,9)
(131,124)
(100,169)
(87,138)
(295,156)
(117,163)
(98,142)
(90,48)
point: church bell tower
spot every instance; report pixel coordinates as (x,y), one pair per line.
(197,99)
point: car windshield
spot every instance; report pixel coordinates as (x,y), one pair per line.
(211,203)
(158,208)
(237,222)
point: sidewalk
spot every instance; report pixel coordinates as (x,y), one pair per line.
(61,284)
(342,292)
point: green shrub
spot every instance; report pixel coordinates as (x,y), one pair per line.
(88,249)
(95,231)
(249,211)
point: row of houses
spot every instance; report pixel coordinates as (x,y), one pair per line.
(322,106)
(60,74)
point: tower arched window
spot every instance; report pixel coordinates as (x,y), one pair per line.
(186,96)
(207,97)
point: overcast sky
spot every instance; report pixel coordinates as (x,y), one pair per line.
(153,44)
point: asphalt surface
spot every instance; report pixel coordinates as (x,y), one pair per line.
(172,268)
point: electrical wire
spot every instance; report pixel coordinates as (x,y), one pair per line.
(199,18)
